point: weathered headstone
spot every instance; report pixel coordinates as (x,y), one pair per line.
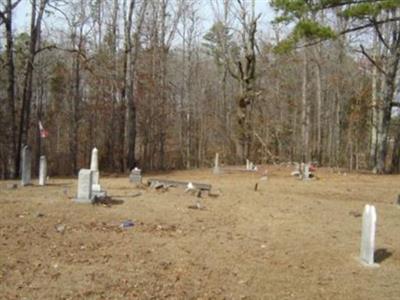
(368,235)
(42,170)
(85,186)
(94,167)
(136,176)
(306,172)
(26,166)
(216,164)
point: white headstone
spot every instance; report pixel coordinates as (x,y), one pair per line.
(216,164)
(84,186)
(94,167)
(247,164)
(26,166)
(42,170)
(306,171)
(368,235)
(136,176)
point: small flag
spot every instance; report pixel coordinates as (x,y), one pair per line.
(43,132)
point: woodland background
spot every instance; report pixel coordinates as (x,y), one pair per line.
(153,83)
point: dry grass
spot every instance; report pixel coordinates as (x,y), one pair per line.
(288,240)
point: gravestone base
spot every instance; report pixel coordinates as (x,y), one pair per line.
(84,200)
(365,264)
(99,194)
(135,179)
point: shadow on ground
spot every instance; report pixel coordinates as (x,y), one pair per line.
(381,254)
(107,201)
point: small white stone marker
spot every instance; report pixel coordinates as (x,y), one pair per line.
(26,166)
(136,176)
(247,164)
(216,164)
(42,170)
(84,186)
(189,187)
(368,235)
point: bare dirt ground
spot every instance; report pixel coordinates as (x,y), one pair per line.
(288,240)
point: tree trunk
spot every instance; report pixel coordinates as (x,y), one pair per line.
(304,113)
(319,104)
(129,89)
(395,167)
(12,154)
(374,107)
(27,89)
(388,96)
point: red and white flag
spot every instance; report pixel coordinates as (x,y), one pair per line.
(43,132)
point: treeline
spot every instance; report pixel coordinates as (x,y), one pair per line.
(145,84)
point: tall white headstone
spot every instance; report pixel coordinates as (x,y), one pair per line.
(247,164)
(26,166)
(368,235)
(94,160)
(84,186)
(216,164)
(42,170)
(94,167)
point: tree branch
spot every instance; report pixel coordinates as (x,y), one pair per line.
(378,31)
(361,27)
(50,47)
(2,17)
(372,60)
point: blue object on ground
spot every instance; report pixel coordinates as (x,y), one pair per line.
(127,224)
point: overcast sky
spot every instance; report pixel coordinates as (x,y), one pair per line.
(22,15)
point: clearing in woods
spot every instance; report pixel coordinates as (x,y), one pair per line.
(288,240)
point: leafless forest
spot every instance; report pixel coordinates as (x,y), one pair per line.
(165,84)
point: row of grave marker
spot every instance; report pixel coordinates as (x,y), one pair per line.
(250,166)
(88,179)
(89,188)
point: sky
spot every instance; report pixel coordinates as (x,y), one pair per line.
(22,14)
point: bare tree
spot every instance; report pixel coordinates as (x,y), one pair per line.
(6,17)
(37,12)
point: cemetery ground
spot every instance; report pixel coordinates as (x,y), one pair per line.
(291,239)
